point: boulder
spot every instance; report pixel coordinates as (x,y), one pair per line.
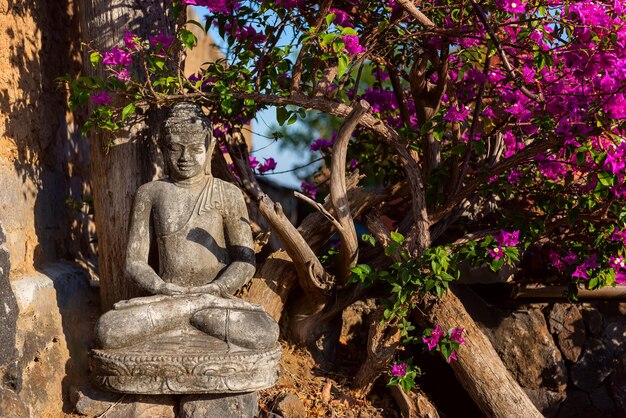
(92,403)
(615,336)
(546,401)
(575,403)
(566,323)
(528,351)
(593,367)
(618,384)
(593,319)
(290,406)
(10,375)
(244,405)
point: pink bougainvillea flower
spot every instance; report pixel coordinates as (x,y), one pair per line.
(458,113)
(496,253)
(320,144)
(308,189)
(513,6)
(117,56)
(452,357)
(514,176)
(161,39)
(253,162)
(341,18)
(581,272)
(131,41)
(290,4)
(398,370)
(123,75)
(457,335)
(557,262)
(435,335)
(507,239)
(102,98)
(352,44)
(268,165)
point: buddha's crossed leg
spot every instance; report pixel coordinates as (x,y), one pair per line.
(231,320)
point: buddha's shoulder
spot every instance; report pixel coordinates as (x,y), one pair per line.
(229,189)
(153,188)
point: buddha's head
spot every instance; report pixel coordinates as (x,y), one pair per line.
(187,142)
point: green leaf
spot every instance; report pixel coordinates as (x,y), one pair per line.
(328,38)
(342,65)
(187,38)
(330,18)
(397,237)
(95,58)
(282,114)
(349,31)
(128,110)
(606,179)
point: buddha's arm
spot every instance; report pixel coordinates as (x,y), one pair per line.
(138,247)
(240,244)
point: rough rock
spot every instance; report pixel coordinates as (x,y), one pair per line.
(10,375)
(566,322)
(593,367)
(601,400)
(245,405)
(546,401)
(290,406)
(91,402)
(57,309)
(574,405)
(593,320)
(615,337)
(622,308)
(618,384)
(528,351)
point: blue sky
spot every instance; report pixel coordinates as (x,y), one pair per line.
(263,144)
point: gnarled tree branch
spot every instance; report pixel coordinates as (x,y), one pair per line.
(348,252)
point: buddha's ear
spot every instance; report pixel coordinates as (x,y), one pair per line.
(209,152)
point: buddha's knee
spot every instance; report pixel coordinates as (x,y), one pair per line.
(109,332)
(248,329)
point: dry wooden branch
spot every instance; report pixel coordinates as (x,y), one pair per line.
(382,342)
(319,207)
(316,230)
(416,14)
(349,250)
(312,276)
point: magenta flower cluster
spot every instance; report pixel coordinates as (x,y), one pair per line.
(398,370)
(437,337)
(503,239)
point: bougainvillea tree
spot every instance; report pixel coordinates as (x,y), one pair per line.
(482,128)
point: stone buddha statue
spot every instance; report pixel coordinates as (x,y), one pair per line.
(192,335)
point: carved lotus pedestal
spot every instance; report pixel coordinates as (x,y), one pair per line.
(222,378)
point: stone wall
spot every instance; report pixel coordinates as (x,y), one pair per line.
(44,165)
(570,358)
(43,158)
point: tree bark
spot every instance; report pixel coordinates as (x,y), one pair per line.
(479,368)
(133,160)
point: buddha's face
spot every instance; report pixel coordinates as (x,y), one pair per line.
(186,154)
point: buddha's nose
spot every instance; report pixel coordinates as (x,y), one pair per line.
(185,155)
